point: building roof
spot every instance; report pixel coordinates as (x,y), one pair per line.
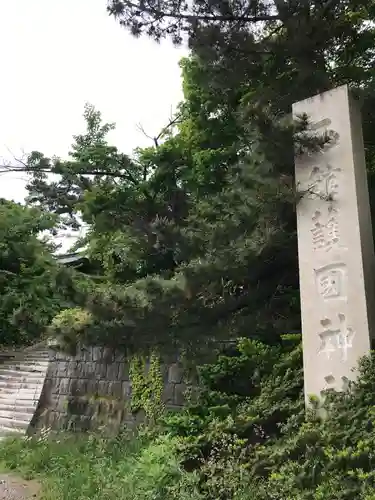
(71,258)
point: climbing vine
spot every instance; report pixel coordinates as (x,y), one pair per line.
(147,386)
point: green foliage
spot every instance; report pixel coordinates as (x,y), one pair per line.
(247,392)
(264,446)
(330,458)
(67,327)
(127,468)
(195,240)
(234,442)
(195,236)
(147,386)
(33,287)
(167,259)
(274,50)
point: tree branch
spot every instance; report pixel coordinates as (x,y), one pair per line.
(4,169)
(171,123)
(117,9)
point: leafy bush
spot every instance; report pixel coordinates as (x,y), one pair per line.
(128,468)
(235,441)
(324,458)
(247,392)
(263,445)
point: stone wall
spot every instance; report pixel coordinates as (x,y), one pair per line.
(93,387)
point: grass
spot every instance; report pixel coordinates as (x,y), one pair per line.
(93,467)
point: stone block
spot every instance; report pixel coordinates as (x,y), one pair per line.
(113,371)
(118,357)
(64,385)
(92,386)
(73,367)
(62,404)
(53,369)
(175,373)
(63,368)
(50,419)
(126,390)
(168,393)
(96,354)
(102,388)
(87,354)
(86,368)
(116,389)
(123,374)
(108,355)
(100,370)
(179,394)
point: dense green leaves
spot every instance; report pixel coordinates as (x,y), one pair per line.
(31,282)
(194,236)
(249,437)
(194,241)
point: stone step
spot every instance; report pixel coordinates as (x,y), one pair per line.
(20,384)
(26,361)
(21,408)
(16,415)
(19,403)
(12,376)
(29,357)
(8,372)
(14,397)
(19,399)
(26,369)
(6,399)
(34,378)
(22,378)
(14,424)
(32,360)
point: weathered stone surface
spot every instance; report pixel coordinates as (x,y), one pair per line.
(179,394)
(335,245)
(175,373)
(64,385)
(124,371)
(126,389)
(116,389)
(100,369)
(168,393)
(61,405)
(113,370)
(94,386)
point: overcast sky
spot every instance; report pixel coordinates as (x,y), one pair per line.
(58,54)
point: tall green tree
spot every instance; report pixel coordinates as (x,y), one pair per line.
(194,241)
(304,46)
(32,285)
(196,234)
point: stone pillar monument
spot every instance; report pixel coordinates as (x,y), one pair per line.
(335,245)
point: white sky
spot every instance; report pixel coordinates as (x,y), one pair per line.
(58,54)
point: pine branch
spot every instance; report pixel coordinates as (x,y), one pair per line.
(117,8)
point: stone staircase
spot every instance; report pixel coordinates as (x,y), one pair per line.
(22,376)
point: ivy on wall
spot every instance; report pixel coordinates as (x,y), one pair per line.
(147,386)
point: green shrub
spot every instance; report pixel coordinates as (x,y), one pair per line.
(247,392)
(81,468)
(234,442)
(263,445)
(320,459)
